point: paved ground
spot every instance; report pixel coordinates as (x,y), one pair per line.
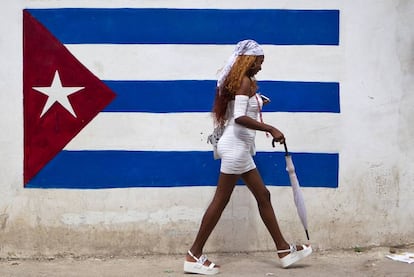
(353,263)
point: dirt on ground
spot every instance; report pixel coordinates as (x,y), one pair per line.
(339,263)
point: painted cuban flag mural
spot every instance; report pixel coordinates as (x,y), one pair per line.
(117,98)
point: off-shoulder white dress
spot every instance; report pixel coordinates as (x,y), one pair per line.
(237,144)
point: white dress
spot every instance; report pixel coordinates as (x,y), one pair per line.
(237,144)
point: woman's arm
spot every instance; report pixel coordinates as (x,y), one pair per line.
(250,123)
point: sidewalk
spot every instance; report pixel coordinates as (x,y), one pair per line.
(353,263)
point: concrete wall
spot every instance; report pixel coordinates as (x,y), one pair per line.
(373,134)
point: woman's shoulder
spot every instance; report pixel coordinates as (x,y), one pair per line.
(246,80)
(245,87)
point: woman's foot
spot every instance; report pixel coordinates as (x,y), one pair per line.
(188,258)
(293,254)
(286,250)
(200,265)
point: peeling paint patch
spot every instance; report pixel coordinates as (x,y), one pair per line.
(3,221)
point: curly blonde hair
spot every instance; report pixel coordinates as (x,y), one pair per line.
(231,85)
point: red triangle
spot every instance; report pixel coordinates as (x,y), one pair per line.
(46,136)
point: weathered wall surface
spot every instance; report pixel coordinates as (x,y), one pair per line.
(373,134)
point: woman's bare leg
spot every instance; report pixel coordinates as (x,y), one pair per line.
(212,215)
(255,183)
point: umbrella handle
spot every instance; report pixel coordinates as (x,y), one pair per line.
(284,144)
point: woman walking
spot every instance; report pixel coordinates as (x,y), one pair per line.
(237,106)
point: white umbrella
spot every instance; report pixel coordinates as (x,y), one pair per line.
(297,193)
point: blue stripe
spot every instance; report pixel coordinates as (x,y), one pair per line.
(121,169)
(198,96)
(191,26)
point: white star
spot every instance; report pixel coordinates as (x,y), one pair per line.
(57,93)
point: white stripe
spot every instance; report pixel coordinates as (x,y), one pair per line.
(202,62)
(186,132)
(304,132)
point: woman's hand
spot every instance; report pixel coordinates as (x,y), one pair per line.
(266,100)
(277,135)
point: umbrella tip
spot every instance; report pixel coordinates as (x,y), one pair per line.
(307,234)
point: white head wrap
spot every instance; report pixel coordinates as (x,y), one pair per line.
(245,47)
